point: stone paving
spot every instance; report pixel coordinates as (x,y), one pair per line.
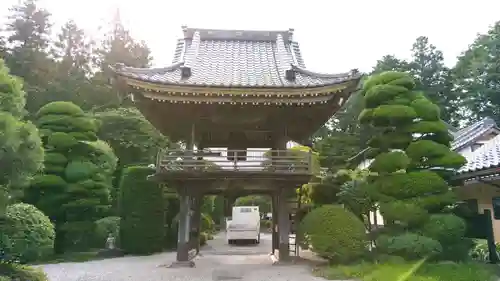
(218,261)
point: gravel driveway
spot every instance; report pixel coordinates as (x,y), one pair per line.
(218,261)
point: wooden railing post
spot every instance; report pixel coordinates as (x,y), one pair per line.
(235,161)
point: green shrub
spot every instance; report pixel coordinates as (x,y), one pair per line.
(60,107)
(17,272)
(207,224)
(409,246)
(79,170)
(266,224)
(334,233)
(61,141)
(203,238)
(445,228)
(28,234)
(141,208)
(104,227)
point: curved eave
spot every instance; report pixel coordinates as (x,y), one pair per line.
(143,78)
(254,90)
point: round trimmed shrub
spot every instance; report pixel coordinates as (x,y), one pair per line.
(60,107)
(142,214)
(334,233)
(28,234)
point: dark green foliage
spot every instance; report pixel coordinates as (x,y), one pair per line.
(390,162)
(27,234)
(264,202)
(413,152)
(106,226)
(334,233)
(22,152)
(409,245)
(326,191)
(12,96)
(141,207)
(133,139)
(218,212)
(17,272)
(207,223)
(449,230)
(476,74)
(410,185)
(75,190)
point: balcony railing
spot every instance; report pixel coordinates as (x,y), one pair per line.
(254,160)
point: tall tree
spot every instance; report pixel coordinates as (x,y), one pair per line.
(477,73)
(390,63)
(413,147)
(29,28)
(120,47)
(73,49)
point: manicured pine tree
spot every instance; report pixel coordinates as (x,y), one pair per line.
(74,188)
(412,158)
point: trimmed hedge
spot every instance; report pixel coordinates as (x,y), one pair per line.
(28,235)
(141,208)
(334,233)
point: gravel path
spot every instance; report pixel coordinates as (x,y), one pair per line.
(218,262)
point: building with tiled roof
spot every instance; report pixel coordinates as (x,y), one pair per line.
(237,58)
(474,136)
(236,91)
(215,68)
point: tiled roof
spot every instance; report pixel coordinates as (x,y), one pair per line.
(486,157)
(471,133)
(237,58)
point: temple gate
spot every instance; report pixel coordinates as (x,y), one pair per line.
(235,98)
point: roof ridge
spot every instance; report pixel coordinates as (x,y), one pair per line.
(351,74)
(278,59)
(283,61)
(118,67)
(192,53)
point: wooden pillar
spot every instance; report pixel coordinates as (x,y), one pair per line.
(183,231)
(275,237)
(283,226)
(196,223)
(490,237)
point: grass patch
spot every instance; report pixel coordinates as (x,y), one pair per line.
(403,271)
(71,257)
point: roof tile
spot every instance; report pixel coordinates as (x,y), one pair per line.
(487,156)
(471,133)
(237,59)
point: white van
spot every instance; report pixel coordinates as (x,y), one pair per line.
(244,224)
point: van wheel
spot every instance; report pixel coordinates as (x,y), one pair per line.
(258,239)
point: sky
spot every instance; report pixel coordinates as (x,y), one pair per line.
(335,36)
